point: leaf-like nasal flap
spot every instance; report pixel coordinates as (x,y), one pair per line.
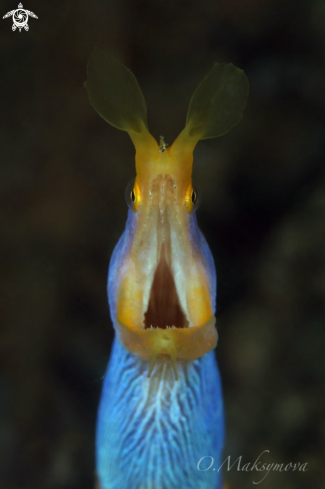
(218,102)
(115,94)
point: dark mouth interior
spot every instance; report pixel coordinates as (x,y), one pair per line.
(164,308)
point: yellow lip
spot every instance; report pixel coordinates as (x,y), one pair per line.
(178,343)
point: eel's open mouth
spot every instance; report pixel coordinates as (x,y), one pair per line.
(167,312)
(164,309)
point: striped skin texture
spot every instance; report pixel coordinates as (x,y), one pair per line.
(151,433)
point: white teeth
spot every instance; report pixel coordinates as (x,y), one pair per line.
(156,327)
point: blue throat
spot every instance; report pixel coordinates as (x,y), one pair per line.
(152,432)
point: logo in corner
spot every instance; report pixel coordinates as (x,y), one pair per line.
(20,18)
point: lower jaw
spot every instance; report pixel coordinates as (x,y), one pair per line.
(175,343)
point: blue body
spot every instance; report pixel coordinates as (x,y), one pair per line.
(152,432)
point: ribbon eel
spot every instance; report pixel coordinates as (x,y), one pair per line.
(160,421)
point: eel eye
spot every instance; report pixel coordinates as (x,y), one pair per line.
(132,195)
(194,200)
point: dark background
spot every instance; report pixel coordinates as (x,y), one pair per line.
(62,178)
